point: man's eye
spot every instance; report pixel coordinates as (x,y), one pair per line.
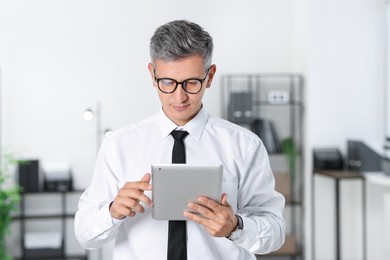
(192,82)
(167,82)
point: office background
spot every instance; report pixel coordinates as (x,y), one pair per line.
(58,58)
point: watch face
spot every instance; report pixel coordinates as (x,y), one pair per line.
(236,234)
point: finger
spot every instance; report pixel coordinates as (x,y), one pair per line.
(138,208)
(125,211)
(196,218)
(137,196)
(128,205)
(132,197)
(209,203)
(118,210)
(138,185)
(204,211)
(206,223)
(146,178)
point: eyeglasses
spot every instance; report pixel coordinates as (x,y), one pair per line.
(191,86)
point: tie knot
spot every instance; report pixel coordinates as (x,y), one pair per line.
(179,135)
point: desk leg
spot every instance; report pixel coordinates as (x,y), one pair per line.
(364,232)
(337,219)
(313,218)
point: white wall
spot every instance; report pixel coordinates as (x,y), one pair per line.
(59,57)
(346,72)
(345,91)
(387,65)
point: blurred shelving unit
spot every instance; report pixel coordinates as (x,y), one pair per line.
(46,225)
(271,105)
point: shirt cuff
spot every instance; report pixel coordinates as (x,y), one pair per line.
(104,221)
(249,233)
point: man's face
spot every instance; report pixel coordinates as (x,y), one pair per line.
(181,106)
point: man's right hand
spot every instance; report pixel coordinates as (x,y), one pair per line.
(127,201)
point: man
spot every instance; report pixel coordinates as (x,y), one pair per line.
(117,205)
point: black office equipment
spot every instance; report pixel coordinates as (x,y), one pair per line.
(361,157)
(30,176)
(386,158)
(57,176)
(386,166)
(265,129)
(240,108)
(59,185)
(327,159)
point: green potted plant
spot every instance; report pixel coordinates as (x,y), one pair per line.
(290,150)
(9,200)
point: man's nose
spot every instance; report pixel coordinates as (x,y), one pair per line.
(180,95)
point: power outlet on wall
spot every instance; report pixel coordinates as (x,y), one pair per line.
(278,97)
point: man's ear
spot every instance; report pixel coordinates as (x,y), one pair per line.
(151,71)
(210,77)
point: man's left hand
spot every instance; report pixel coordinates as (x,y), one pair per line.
(218,219)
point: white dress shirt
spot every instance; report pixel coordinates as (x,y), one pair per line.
(127,154)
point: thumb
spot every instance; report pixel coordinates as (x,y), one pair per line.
(224,201)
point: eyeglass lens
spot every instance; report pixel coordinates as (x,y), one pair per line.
(169,85)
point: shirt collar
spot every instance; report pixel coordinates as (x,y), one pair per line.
(195,127)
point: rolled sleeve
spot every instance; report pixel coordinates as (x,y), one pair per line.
(260,206)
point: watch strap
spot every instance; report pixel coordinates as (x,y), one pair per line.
(240,222)
(236,233)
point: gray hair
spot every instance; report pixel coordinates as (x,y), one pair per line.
(180,39)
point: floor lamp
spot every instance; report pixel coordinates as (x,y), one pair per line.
(88,115)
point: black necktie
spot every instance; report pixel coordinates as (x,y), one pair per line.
(177,230)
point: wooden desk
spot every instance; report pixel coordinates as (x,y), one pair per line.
(339,176)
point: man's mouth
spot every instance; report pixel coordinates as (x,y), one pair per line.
(180,108)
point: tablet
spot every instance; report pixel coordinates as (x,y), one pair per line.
(174,185)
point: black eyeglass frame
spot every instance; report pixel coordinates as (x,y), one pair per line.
(182,83)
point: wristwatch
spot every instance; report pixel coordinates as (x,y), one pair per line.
(236,233)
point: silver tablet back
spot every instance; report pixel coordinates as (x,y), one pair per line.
(174,185)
